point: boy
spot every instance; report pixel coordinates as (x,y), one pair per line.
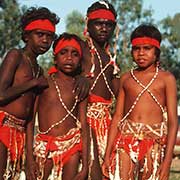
(63,133)
(20,76)
(146,138)
(98,67)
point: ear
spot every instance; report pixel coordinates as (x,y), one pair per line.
(55,61)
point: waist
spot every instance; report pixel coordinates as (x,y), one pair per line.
(12,121)
(95,98)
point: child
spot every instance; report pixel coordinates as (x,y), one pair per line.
(63,133)
(99,67)
(146,138)
(20,76)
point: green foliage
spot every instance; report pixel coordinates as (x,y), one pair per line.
(75,23)
(9,25)
(46,61)
(130,14)
(170,56)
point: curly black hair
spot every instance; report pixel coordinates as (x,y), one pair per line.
(35,13)
(67,36)
(148,30)
(102,4)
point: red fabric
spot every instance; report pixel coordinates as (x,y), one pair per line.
(101,14)
(143,145)
(67,42)
(2,116)
(51,146)
(52,70)
(100,127)
(95,98)
(145,40)
(43,24)
(11,137)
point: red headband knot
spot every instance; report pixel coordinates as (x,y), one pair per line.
(68,42)
(145,40)
(101,14)
(43,24)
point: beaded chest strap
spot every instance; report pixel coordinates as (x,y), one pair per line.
(69,112)
(94,50)
(141,93)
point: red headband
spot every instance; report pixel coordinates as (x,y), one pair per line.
(101,14)
(63,43)
(145,40)
(43,24)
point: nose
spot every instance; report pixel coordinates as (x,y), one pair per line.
(104,26)
(69,56)
(141,50)
(45,38)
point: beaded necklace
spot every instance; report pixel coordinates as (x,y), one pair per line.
(69,112)
(140,94)
(34,73)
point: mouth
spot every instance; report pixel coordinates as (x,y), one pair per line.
(68,66)
(44,48)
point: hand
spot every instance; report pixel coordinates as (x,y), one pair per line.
(42,82)
(105,168)
(32,170)
(82,175)
(81,87)
(163,171)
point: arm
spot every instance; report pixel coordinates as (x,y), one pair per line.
(118,115)
(115,83)
(82,86)
(7,73)
(31,166)
(171,103)
(82,175)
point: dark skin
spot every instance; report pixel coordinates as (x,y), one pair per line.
(100,31)
(17,84)
(146,111)
(66,62)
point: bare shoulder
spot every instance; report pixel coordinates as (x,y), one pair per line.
(125,76)
(166,76)
(14,55)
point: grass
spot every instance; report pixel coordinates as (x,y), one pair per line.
(175,169)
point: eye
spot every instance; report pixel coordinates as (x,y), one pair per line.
(135,48)
(39,34)
(148,47)
(63,51)
(75,54)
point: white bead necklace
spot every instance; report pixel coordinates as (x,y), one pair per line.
(69,112)
(139,95)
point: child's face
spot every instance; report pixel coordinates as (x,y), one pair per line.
(67,60)
(40,40)
(101,30)
(144,55)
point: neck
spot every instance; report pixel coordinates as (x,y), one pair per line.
(151,68)
(64,76)
(29,53)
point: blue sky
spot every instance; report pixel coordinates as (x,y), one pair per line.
(62,8)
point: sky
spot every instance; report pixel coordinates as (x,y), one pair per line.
(161,8)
